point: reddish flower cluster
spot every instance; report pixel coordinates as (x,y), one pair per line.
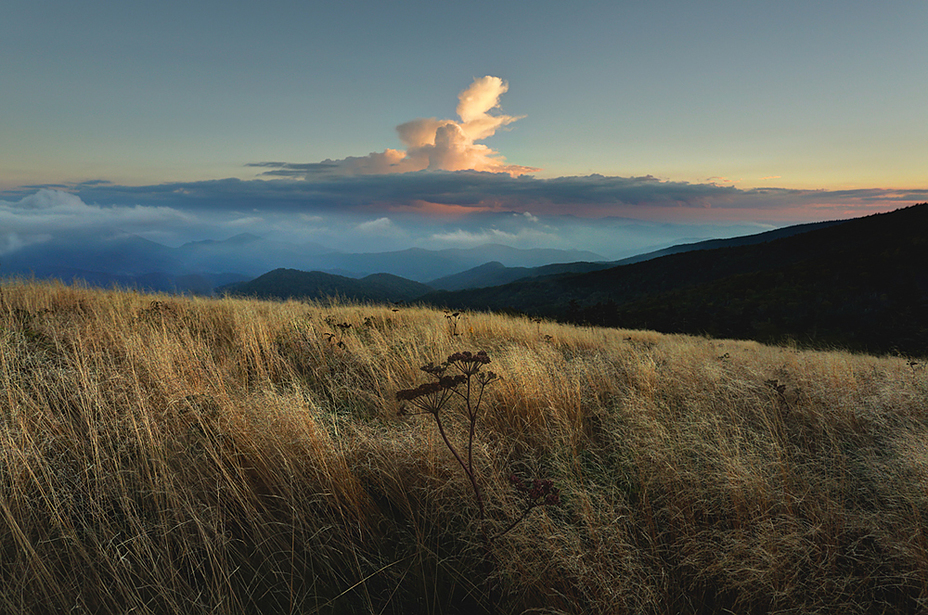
(538,492)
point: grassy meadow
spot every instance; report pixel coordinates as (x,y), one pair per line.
(169,455)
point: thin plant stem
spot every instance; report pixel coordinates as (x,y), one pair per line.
(467,470)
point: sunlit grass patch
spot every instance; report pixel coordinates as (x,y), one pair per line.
(170,455)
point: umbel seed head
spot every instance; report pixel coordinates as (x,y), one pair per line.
(467,357)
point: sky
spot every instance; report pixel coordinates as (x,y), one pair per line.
(371,126)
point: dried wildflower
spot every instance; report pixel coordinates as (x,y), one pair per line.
(535,493)
(449,382)
(467,386)
(453,318)
(435,370)
(423,389)
(539,492)
(333,339)
(467,362)
(429,397)
(467,357)
(485,378)
(776,386)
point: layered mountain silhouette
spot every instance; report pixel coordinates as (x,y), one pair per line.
(495,273)
(198,267)
(286,283)
(859,284)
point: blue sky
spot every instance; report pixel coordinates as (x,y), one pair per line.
(765,113)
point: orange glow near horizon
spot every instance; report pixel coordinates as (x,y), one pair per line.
(429,208)
(804,210)
(798,214)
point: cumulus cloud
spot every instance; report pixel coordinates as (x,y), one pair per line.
(431,144)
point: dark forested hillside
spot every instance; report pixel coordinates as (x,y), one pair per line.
(294,284)
(861,284)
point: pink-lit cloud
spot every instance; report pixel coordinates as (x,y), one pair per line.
(431,144)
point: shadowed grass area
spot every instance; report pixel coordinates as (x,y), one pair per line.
(170,455)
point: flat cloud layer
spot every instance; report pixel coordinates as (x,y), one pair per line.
(590,196)
(430,209)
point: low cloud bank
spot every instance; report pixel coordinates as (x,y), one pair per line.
(590,196)
(609,215)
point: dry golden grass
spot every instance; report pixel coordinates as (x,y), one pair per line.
(171,455)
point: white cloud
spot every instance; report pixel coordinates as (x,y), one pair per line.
(64,210)
(46,200)
(431,144)
(380,226)
(522,238)
(39,217)
(244,222)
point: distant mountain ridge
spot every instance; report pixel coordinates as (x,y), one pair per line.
(744,240)
(423,265)
(860,283)
(496,274)
(133,261)
(284,283)
(294,284)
